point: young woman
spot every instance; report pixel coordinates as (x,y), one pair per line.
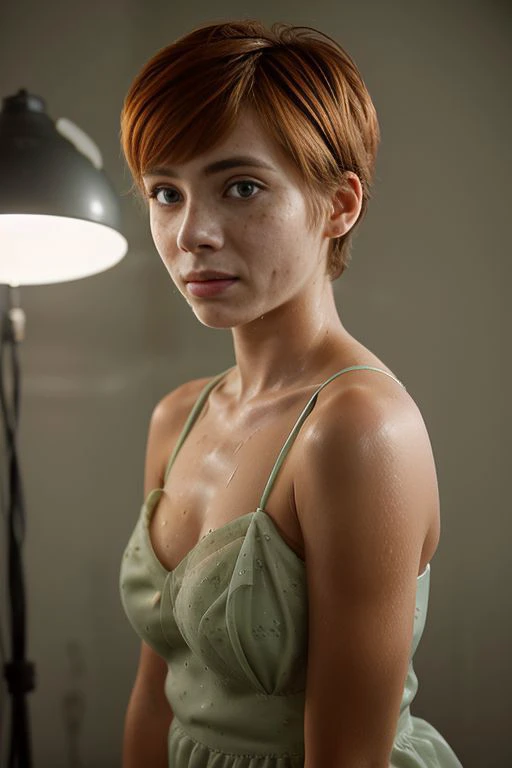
(278,575)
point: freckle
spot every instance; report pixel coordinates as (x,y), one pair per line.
(185,511)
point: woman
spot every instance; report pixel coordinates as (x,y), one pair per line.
(279,574)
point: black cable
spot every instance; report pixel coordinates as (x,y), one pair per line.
(19,673)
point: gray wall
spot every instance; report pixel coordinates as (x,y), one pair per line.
(426,292)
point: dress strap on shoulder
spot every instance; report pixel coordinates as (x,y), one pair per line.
(298,424)
(194,413)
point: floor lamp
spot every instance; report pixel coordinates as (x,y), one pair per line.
(59,221)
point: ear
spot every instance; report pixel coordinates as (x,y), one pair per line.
(345,206)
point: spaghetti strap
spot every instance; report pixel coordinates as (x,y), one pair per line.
(192,417)
(298,424)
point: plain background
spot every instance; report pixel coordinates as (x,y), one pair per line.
(427,291)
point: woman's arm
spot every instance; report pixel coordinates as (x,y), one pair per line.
(364,497)
(148,716)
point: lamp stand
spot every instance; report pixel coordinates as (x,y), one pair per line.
(19,673)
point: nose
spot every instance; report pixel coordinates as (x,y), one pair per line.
(199,228)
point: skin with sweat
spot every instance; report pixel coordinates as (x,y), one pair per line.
(251,222)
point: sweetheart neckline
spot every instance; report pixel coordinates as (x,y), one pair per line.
(167,573)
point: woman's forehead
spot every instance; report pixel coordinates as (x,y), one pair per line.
(247,145)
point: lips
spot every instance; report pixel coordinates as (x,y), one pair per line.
(209,288)
(206,275)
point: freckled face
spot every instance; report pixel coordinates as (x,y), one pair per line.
(247,221)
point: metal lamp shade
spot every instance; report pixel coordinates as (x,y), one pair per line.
(59,215)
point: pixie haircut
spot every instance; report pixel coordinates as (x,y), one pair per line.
(306,90)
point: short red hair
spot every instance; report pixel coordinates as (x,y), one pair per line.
(305,88)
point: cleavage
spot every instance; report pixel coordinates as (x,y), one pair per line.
(219,476)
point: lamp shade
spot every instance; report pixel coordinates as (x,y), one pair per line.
(59,215)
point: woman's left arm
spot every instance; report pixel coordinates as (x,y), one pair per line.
(364,497)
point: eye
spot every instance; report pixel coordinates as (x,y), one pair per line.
(245,183)
(162,195)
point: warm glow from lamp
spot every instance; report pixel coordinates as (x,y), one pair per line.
(37,249)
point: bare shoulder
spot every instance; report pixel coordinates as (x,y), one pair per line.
(359,406)
(368,457)
(167,421)
(172,405)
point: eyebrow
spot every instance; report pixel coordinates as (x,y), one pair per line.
(216,167)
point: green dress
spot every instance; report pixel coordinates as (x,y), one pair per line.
(231,622)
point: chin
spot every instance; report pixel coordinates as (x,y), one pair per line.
(216,318)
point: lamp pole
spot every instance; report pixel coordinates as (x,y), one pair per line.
(59,221)
(19,672)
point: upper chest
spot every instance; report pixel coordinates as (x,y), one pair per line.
(220,473)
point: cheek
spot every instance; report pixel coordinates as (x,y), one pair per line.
(267,231)
(156,234)
(160,238)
